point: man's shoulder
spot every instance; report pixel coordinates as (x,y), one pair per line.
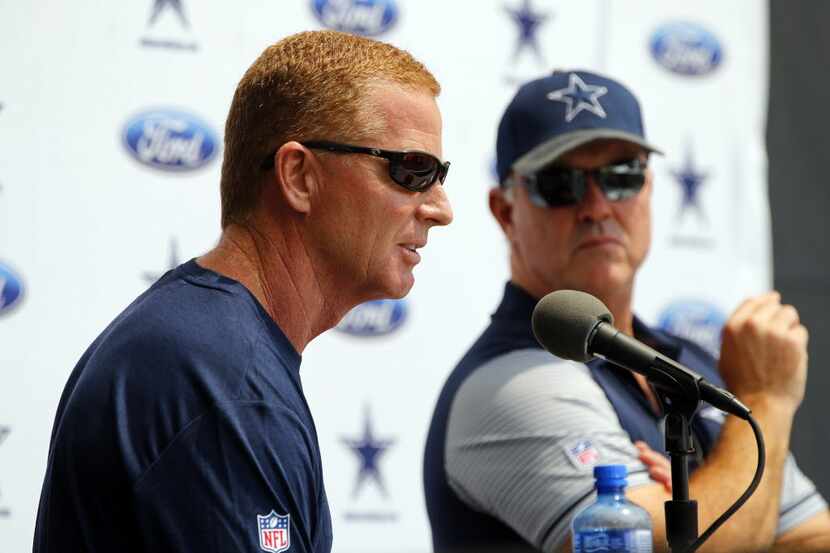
(174,328)
(523,381)
(176,351)
(526,369)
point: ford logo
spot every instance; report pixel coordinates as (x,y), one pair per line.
(698,321)
(361,17)
(374,318)
(11,289)
(170,140)
(686,49)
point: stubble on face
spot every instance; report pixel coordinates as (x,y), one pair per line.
(596,246)
(368,218)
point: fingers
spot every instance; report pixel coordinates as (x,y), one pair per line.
(764,351)
(764,311)
(659,468)
(661,476)
(801,335)
(749,306)
(786,317)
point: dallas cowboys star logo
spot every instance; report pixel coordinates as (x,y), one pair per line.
(579,97)
(529,22)
(368,450)
(690,179)
(173,262)
(160,5)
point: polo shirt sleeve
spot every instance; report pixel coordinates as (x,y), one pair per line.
(524,433)
(799,498)
(241,477)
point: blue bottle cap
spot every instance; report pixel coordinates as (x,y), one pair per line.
(611,475)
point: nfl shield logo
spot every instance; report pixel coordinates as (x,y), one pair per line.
(583,453)
(274,532)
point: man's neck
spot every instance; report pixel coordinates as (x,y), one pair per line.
(620,307)
(618,303)
(275,268)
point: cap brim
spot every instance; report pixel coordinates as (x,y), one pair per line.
(546,153)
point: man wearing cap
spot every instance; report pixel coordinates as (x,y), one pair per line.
(516,432)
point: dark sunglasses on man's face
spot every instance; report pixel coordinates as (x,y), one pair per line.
(414,170)
(557,186)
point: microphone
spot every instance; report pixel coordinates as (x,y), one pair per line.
(577,326)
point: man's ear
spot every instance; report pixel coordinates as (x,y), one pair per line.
(296,175)
(501,207)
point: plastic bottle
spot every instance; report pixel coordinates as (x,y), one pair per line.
(612,523)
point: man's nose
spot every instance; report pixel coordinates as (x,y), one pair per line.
(594,206)
(436,207)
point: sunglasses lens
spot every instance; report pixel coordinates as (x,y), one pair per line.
(559,187)
(621,187)
(415,171)
(562,186)
(623,181)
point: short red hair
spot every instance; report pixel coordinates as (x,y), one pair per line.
(310,85)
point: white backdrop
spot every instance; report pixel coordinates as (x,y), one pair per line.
(85,225)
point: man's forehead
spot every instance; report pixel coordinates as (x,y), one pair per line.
(410,118)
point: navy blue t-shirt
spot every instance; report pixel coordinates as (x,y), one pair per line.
(184,428)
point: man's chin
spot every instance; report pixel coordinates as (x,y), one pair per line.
(399,287)
(602,283)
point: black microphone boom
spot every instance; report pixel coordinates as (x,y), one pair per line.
(577,326)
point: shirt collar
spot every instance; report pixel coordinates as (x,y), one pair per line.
(518,304)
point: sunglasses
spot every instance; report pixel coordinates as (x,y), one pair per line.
(557,186)
(414,170)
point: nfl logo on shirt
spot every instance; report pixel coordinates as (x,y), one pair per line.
(274,532)
(584,453)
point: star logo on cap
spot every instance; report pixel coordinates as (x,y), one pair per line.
(579,97)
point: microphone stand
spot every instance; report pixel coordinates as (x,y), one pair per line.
(680,404)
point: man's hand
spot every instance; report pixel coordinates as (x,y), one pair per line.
(764,362)
(764,352)
(659,468)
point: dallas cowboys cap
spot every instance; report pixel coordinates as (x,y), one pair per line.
(555,114)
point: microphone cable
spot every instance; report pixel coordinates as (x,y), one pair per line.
(756,480)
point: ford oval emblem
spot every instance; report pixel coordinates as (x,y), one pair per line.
(686,49)
(170,140)
(361,17)
(374,318)
(698,321)
(11,289)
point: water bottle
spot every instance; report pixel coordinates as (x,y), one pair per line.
(612,523)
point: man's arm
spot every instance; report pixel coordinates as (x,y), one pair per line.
(723,478)
(811,536)
(763,361)
(224,481)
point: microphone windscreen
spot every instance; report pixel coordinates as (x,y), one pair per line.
(563,321)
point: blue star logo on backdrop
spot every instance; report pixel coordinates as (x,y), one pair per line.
(160,5)
(529,22)
(173,262)
(579,97)
(690,179)
(368,450)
